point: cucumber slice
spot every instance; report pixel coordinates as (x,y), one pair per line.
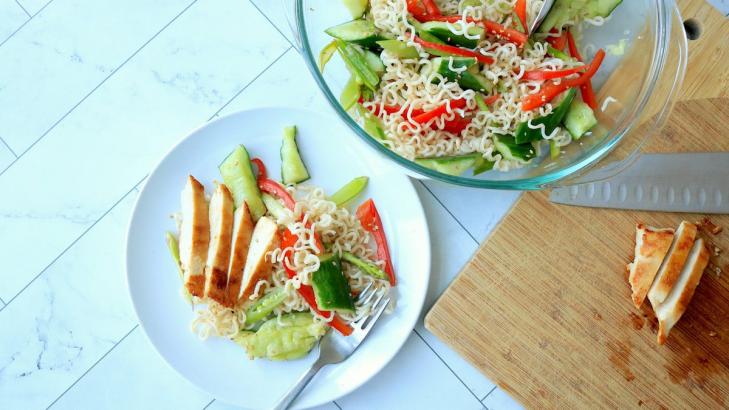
(349,191)
(356,7)
(601,8)
(579,119)
(442,31)
(264,306)
(238,176)
(362,32)
(507,146)
(366,267)
(357,64)
(350,94)
(274,207)
(466,79)
(564,11)
(399,48)
(331,288)
(551,121)
(482,165)
(455,165)
(293,170)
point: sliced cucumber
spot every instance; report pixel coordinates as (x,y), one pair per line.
(274,207)
(554,150)
(601,8)
(350,94)
(293,170)
(482,165)
(357,64)
(349,191)
(442,31)
(356,7)
(399,49)
(565,11)
(238,176)
(525,134)
(331,288)
(509,149)
(455,165)
(264,306)
(362,32)
(579,119)
(466,79)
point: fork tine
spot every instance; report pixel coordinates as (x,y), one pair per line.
(364,292)
(366,298)
(378,308)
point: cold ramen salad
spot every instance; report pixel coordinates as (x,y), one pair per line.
(463,84)
(273,265)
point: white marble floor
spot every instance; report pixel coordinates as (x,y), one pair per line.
(93,92)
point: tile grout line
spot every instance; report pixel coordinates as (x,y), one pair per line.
(271,22)
(248,84)
(449,212)
(489,393)
(23,25)
(208,405)
(73,242)
(337,404)
(2,302)
(446,365)
(8,147)
(92,366)
(23,8)
(97,86)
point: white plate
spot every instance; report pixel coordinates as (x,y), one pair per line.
(217,365)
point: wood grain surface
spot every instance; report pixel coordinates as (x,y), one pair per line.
(544,308)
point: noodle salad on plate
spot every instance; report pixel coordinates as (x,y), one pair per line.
(458,85)
(271,265)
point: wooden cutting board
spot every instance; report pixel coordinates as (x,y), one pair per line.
(544,309)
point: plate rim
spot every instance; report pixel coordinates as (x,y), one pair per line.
(426,240)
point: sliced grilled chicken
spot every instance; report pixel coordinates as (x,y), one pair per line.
(242,232)
(258,266)
(194,236)
(670,311)
(671,268)
(651,247)
(221,233)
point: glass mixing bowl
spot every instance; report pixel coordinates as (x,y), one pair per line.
(644,81)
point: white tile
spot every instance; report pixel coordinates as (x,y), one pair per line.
(722,5)
(286,83)
(274,10)
(63,53)
(415,379)
(218,405)
(451,248)
(114,138)
(6,157)
(33,6)
(11,17)
(479,210)
(500,400)
(67,318)
(133,376)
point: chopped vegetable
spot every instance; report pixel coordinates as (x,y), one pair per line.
(456,125)
(238,176)
(282,342)
(553,150)
(371,124)
(443,31)
(491,27)
(482,165)
(509,149)
(416,9)
(431,8)
(580,119)
(349,191)
(588,94)
(355,61)
(274,206)
(371,222)
(366,267)
(557,42)
(451,165)
(374,61)
(520,9)
(326,54)
(526,133)
(437,112)
(174,248)
(399,49)
(452,50)
(543,75)
(293,170)
(351,93)
(262,171)
(356,7)
(558,53)
(274,188)
(331,288)
(361,32)
(481,103)
(264,306)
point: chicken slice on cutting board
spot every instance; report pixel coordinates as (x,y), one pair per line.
(242,232)
(221,233)
(258,266)
(194,236)
(671,268)
(669,312)
(651,247)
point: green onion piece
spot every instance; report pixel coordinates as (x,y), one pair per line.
(371,124)
(349,191)
(554,150)
(273,205)
(326,54)
(558,54)
(355,61)
(350,94)
(481,103)
(264,306)
(174,248)
(366,267)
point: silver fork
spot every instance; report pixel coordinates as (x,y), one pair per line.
(335,348)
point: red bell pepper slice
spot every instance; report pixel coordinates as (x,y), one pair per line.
(543,75)
(551,90)
(588,94)
(456,125)
(437,112)
(453,50)
(274,188)
(417,10)
(558,42)
(520,8)
(288,240)
(262,172)
(371,222)
(492,27)
(431,8)
(491,99)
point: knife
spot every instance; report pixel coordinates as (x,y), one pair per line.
(696,183)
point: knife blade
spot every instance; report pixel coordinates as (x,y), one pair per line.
(697,182)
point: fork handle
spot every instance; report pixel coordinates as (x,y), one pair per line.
(296,389)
